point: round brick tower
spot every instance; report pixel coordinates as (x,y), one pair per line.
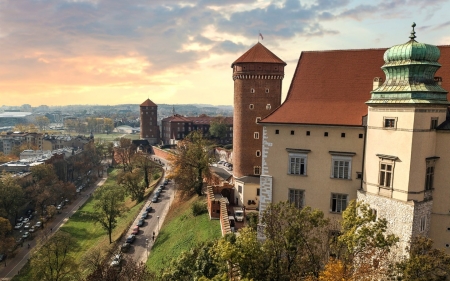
(149,122)
(258,76)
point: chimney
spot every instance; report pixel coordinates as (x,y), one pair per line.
(438,80)
(377,81)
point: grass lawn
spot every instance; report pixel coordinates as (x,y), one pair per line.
(180,231)
(91,235)
(113,136)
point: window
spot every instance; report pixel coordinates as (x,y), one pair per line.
(338,202)
(386,170)
(360,136)
(358,175)
(277,132)
(389,122)
(257,170)
(429,175)
(251,106)
(434,123)
(296,197)
(297,164)
(325,134)
(268,106)
(252,90)
(423,223)
(267,90)
(256,135)
(240,188)
(308,133)
(258,191)
(258,153)
(292,132)
(342,135)
(258,119)
(341,167)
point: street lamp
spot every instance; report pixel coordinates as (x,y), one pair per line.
(146,245)
(158,224)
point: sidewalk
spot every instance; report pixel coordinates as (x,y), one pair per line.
(13,266)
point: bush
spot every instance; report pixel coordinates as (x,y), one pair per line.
(156,176)
(198,208)
(228,146)
(252,220)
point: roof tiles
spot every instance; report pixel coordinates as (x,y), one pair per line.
(331,87)
(258,53)
(148,102)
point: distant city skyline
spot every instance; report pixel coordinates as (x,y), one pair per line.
(108,52)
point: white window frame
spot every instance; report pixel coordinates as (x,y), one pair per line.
(256,135)
(340,201)
(292,197)
(390,118)
(257,170)
(382,178)
(303,160)
(434,123)
(341,173)
(258,153)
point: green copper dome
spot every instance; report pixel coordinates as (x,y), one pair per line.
(410,70)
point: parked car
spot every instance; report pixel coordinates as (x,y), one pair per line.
(155,199)
(18,225)
(116,260)
(157,193)
(38,224)
(140,222)
(2,257)
(135,230)
(27,225)
(144,215)
(26,235)
(58,207)
(148,209)
(32,229)
(25,220)
(125,247)
(20,219)
(166,182)
(130,239)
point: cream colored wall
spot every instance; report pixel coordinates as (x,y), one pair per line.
(440,216)
(408,145)
(318,184)
(249,191)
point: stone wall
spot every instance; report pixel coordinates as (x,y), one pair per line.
(161,153)
(265,195)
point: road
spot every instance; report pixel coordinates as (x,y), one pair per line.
(141,247)
(14,265)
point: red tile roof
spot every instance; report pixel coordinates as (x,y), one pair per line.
(331,87)
(202,119)
(148,102)
(258,53)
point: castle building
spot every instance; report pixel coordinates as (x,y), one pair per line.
(257,76)
(149,122)
(371,125)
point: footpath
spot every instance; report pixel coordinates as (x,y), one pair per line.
(13,266)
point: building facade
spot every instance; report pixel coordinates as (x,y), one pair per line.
(370,125)
(149,122)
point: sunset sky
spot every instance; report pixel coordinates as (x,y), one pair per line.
(59,52)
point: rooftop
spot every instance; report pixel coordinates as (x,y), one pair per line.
(258,53)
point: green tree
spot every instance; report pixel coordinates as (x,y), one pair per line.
(364,244)
(53,261)
(132,182)
(218,128)
(296,241)
(147,166)
(190,163)
(424,262)
(6,240)
(108,207)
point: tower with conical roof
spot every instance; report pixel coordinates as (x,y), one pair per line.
(149,122)
(257,76)
(401,155)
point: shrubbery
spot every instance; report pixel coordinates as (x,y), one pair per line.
(198,208)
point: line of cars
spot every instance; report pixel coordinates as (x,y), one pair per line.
(25,223)
(227,165)
(159,190)
(135,231)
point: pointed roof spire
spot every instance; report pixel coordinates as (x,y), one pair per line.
(148,102)
(258,53)
(413,33)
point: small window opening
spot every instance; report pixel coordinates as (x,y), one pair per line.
(292,132)
(342,135)
(325,134)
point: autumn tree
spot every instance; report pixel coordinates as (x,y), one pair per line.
(296,241)
(364,243)
(190,163)
(12,196)
(147,166)
(424,263)
(108,207)
(124,153)
(42,122)
(17,149)
(6,240)
(53,261)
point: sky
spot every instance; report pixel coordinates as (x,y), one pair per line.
(60,52)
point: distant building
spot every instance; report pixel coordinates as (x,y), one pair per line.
(149,122)
(177,127)
(54,142)
(11,139)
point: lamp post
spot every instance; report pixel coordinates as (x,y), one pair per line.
(158,224)
(146,245)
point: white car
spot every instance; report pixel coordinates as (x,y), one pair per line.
(116,260)
(27,225)
(25,220)
(18,225)
(38,224)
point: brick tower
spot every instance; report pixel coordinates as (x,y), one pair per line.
(149,122)
(258,76)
